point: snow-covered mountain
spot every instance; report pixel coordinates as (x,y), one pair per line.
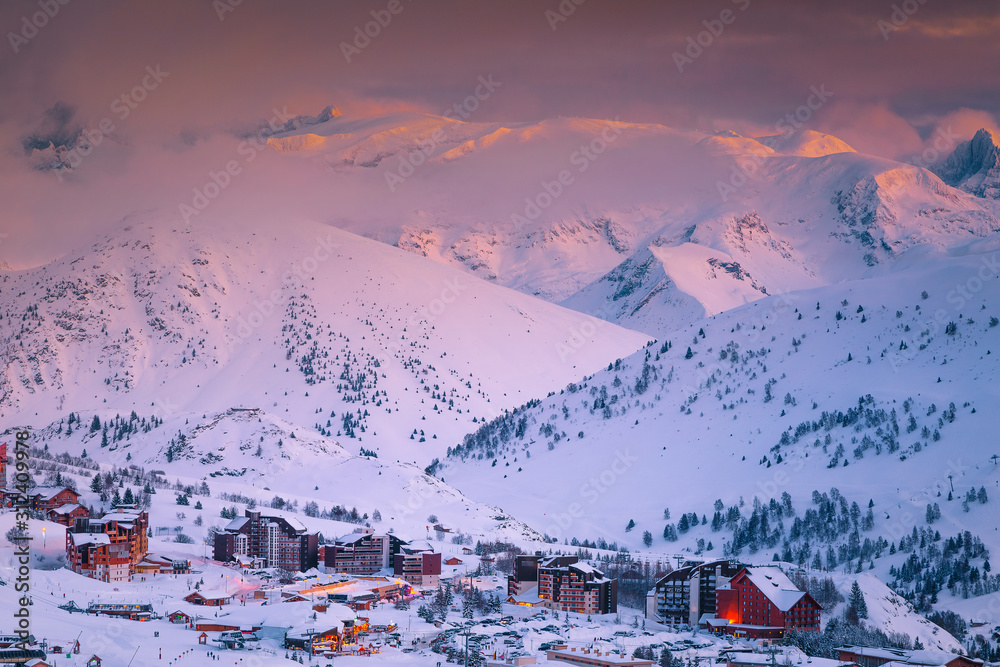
(880,387)
(974,166)
(333,332)
(824,325)
(813,221)
(649,225)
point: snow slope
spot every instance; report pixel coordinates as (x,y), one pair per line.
(666,428)
(331,331)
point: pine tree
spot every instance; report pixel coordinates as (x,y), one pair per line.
(857,601)
(647,538)
(95,484)
(128,498)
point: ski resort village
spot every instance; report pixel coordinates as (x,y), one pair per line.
(500,334)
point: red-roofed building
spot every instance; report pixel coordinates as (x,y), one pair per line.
(50,497)
(762,602)
(108,548)
(67,515)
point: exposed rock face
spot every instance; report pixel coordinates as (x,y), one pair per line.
(974,166)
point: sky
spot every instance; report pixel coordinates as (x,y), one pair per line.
(895,74)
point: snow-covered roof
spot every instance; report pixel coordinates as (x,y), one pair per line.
(236,523)
(605,657)
(65,509)
(589,569)
(283,615)
(420,545)
(776,586)
(157,558)
(306,630)
(212,595)
(47,492)
(712,621)
(929,657)
(900,657)
(120,517)
(794,657)
(80,539)
(295,523)
(351,538)
(882,653)
(530,597)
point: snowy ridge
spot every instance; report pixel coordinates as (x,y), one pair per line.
(339,334)
(974,166)
(853,362)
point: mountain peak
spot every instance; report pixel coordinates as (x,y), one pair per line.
(974,165)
